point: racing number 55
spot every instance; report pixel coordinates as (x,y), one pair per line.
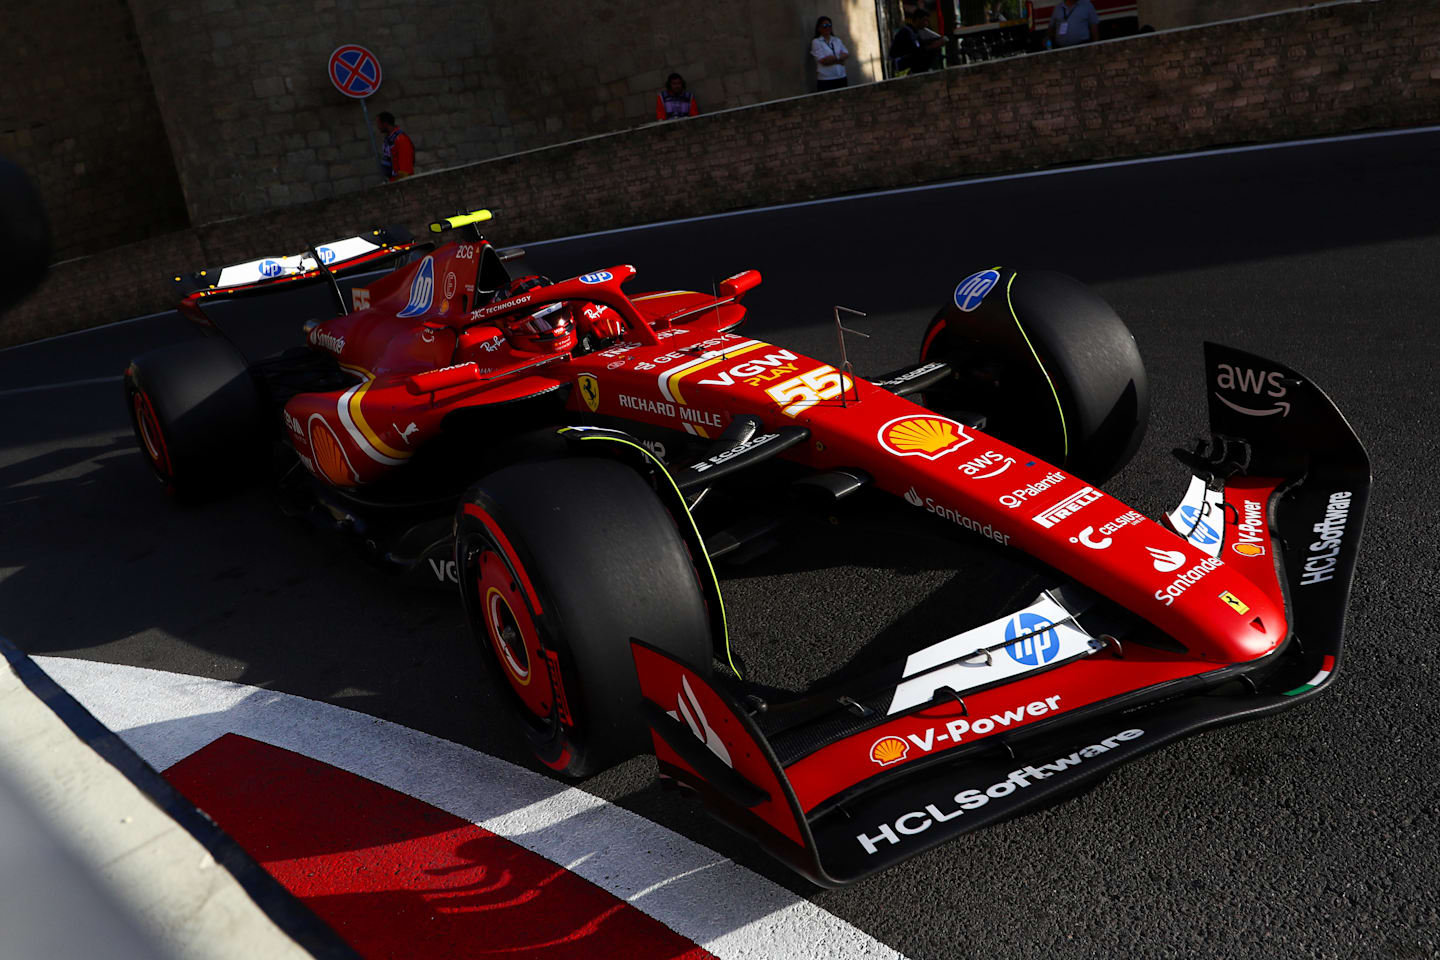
(803,392)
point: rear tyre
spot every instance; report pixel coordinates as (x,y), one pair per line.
(1053,368)
(561,562)
(197,417)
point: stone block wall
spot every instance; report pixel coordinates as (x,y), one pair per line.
(1326,70)
(78,114)
(255,123)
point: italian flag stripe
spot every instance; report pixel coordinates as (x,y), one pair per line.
(1327,666)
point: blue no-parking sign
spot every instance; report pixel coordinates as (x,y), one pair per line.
(355,71)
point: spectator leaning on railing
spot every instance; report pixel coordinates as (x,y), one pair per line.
(675,101)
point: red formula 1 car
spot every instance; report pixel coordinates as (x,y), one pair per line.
(574,459)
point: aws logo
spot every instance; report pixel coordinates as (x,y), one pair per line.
(1261,383)
(993,464)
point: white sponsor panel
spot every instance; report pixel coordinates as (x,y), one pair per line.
(1200,518)
(267,268)
(974,667)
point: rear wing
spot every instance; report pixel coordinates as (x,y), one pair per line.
(383,249)
(1286,482)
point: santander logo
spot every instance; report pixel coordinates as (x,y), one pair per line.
(1167,561)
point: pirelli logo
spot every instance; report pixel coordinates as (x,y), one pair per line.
(1072,504)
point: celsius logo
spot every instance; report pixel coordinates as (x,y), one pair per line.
(1035,649)
(1200,531)
(1087,537)
(972,290)
(271,268)
(1167,560)
(912,497)
(422,290)
(600,277)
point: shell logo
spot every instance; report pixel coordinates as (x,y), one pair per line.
(329,456)
(1248,549)
(888,750)
(928,437)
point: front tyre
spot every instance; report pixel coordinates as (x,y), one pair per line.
(561,562)
(1053,368)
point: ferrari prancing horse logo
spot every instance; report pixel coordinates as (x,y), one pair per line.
(590,391)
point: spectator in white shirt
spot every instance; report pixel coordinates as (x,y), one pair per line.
(830,56)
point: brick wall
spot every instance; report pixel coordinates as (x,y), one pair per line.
(1324,70)
(78,114)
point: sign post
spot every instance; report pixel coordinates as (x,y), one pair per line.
(355,72)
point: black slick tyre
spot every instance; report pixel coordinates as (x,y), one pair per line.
(560,563)
(197,417)
(1053,368)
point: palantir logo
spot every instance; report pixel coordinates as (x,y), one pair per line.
(422,290)
(1035,649)
(271,268)
(972,290)
(1199,531)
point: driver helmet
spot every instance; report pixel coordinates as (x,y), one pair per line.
(549,329)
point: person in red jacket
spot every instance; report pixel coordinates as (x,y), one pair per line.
(675,101)
(397,156)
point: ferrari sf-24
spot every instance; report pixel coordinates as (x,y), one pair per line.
(575,460)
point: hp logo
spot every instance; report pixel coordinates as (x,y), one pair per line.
(972,290)
(1035,649)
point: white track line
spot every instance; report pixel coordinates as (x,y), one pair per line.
(59,386)
(722,906)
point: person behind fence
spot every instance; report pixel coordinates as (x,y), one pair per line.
(1072,22)
(830,55)
(912,49)
(675,101)
(397,154)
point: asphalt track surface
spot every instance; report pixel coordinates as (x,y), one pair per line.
(1312,833)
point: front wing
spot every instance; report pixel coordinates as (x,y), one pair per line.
(1267,422)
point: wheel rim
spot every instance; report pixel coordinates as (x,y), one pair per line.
(514,638)
(151,437)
